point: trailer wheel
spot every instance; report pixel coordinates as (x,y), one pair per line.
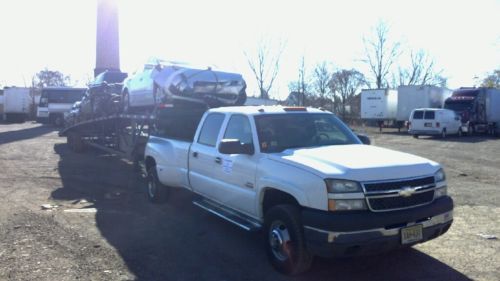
(156,191)
(75,142)
(58,121)
(443,133)
(126,102)
(285,242)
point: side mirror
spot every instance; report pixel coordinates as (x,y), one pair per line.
(233,146)
(364,139)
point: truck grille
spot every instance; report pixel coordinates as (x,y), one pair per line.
(398,202)
(396,185)
(385,196)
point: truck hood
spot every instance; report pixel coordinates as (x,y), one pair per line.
(357,162)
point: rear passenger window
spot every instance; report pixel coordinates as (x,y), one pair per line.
(418,114)
(210,129)
(429,115)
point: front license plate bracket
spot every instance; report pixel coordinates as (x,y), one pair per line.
(411,234)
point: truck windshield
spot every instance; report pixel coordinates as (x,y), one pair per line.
(278,132)
(458,106)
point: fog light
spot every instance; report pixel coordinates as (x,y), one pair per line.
(440,192)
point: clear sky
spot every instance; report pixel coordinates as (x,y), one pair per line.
(462,36)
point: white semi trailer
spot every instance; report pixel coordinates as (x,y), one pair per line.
(16,104)
(379,105)
(412,97)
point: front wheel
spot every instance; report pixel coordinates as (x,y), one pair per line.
(156,191)
(285,241)
(125,102)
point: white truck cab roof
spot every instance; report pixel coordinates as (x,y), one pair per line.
(275,109)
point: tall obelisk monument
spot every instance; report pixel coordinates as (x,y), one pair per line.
(107,41)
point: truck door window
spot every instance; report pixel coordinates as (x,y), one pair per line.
(210,129)
(239,128)
(429,115)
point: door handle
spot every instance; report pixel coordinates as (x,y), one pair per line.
(218,160)
(195,154)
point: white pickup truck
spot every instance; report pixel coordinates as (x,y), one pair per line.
(302,177)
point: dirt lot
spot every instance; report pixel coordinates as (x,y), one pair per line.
(104,229)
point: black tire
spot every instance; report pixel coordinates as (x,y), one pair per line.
(75,142)
(126,102)
(157,192)
(470,130)
(415,136)
(58,121)
(285,242)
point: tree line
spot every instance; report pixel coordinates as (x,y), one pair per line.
(336,89)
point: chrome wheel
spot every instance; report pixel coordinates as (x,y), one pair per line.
(280,241)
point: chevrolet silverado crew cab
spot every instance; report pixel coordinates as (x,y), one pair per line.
(302,177)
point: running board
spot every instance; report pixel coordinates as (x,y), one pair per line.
(231,216)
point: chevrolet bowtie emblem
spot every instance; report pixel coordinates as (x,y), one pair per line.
(406,191)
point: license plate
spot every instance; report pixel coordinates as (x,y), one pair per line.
(428,125)
(411,234)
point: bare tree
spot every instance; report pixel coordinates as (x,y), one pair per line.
(321,77)
(50,78)
(301,86)
(492,80)
(380,54)
(265,65)
(421,71)
(345,84)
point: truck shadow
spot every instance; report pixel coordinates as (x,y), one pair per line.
(177,241)
(457,139)
(23,134)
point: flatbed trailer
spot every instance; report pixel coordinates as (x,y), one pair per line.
(124,135)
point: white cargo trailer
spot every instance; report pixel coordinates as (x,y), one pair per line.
(379,104)
(16,104)
(491,115)
(412,97)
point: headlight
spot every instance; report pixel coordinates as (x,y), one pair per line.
(342,186)
(439,176)
(346,204)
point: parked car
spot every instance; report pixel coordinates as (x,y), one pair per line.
(165,82)
(433,121)
(72,116)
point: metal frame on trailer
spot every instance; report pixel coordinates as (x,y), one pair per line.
(122,134)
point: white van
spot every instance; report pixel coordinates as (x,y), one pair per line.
(54,101)
(434,121)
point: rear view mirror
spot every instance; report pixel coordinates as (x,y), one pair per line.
(234,146)
(364,139)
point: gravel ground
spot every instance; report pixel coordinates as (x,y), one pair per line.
(97,224)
